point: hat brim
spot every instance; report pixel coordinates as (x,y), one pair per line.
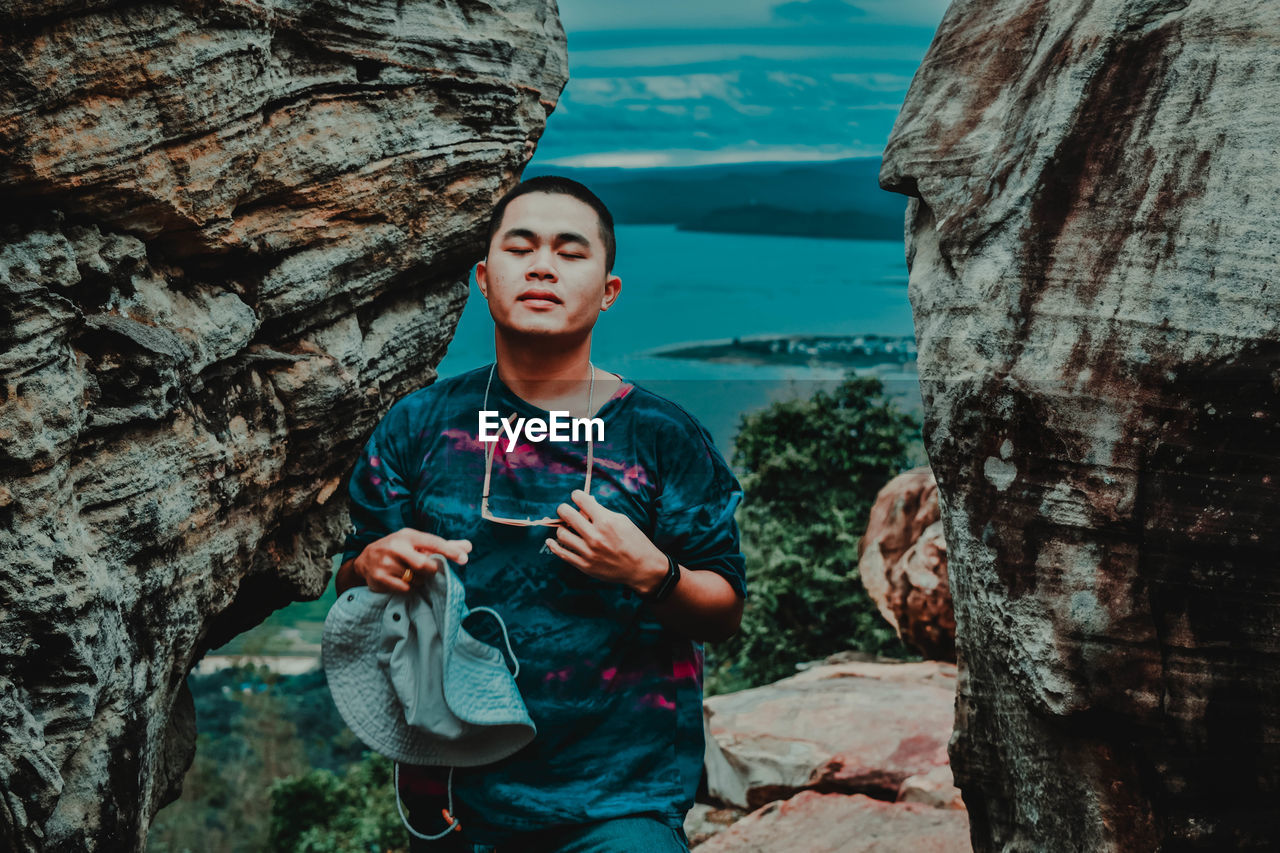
(367,701)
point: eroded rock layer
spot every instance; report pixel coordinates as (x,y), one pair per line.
(903,564)
(232,234)
(1093,273)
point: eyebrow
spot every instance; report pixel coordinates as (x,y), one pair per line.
(562,237)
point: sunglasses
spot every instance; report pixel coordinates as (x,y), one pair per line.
(492,447)
(489,453)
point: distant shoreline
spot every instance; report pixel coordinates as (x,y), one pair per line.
(831,199)
(848,224)
(840,350)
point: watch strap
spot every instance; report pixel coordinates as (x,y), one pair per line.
(668,584)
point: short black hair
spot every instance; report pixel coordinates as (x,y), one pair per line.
(558,185)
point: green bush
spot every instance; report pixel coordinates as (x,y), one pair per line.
(224,804)
(810,470)
(319,812)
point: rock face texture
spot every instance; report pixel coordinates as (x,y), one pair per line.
(1093,261)
(903,564)
(233,233)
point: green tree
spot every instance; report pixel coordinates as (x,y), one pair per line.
(225,807)
(321,813)
(810,470)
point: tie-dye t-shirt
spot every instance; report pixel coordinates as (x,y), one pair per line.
(615,695)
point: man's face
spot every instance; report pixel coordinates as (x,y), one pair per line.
(545,274)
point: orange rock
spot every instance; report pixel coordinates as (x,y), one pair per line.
(858,727)
(836,823)
(903,564)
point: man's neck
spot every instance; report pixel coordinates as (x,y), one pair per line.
(553,379)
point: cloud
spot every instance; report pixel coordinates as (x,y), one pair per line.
(793,110)
(875,82)
(790,80)
(606,91)
(817,12)
(665,84)
(635,92)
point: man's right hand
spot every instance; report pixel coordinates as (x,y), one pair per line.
(383,563)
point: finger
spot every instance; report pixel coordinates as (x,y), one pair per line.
(574,519)
(418,578)
(571,541)
(435,562)
(586,503)
(404,556)
(568,556)
(454,549)
(388,581)
(422,539)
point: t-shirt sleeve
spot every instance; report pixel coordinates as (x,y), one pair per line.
(695,518)
(379,498)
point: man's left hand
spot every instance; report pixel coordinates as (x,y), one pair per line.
(606,545)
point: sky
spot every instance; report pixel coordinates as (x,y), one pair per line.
(692,82)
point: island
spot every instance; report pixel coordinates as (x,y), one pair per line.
(839,350)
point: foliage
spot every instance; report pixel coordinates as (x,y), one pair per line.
(224,805)
(304,700)
(810,470)
(321,813)
(255,727)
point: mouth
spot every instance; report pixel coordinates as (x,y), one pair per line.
(537,298)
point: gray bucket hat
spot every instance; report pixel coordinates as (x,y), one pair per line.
(414,685)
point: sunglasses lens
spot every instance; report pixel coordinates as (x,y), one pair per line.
(524,522)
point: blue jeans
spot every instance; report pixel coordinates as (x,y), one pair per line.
(641,833)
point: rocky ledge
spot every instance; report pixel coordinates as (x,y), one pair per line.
(844,756)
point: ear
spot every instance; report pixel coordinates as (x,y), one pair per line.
(482,279)
(612,287)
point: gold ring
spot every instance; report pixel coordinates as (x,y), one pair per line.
(407,576)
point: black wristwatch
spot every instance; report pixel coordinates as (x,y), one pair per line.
(668,585)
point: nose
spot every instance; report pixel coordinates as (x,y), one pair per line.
(542,265)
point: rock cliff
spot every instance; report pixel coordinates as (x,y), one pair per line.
(1091,237)
(233,233)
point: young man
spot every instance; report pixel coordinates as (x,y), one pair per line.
(611,557)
